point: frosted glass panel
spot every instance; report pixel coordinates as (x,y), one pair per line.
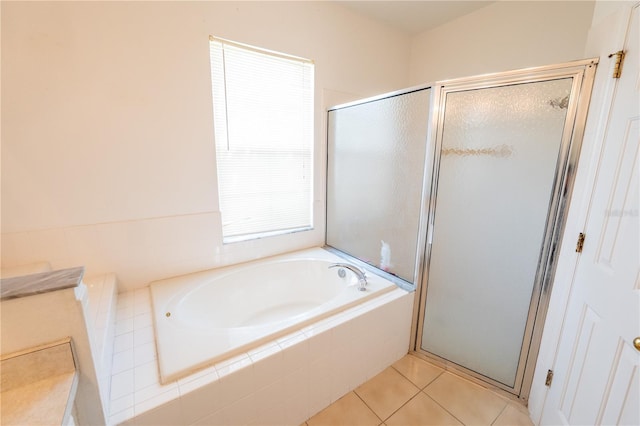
(375,170)
(497,164)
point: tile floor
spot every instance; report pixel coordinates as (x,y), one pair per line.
(415,392)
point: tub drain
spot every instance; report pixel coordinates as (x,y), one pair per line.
(168,314)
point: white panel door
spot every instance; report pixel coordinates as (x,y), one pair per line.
(597,369)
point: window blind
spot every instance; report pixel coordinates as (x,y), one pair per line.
(263,120)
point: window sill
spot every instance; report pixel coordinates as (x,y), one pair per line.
(260,235)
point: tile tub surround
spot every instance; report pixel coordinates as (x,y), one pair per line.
(415,392)
(102,294)
(282,382)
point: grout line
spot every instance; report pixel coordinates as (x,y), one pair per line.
(405,403)
(500,413)
(415,384)
(443,407)
(367,405)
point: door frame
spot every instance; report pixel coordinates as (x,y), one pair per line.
(582,73)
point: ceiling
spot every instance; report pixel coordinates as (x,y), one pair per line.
(414,17)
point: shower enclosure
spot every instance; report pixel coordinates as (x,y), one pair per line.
(466,184)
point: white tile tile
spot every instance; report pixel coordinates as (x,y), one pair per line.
(49,244)
(144,353)
(122,384)
(142,308)
(200,398)
(141,295)
(296,396)
(265,350)
(268,366)
(198,379)
(142,336)
(124,312)
(268,397)
(237,385)
(164,409)
(319,341)
(146,375)
(124,326)
(340,372)
(121,416)
(362,362)
(235,363)
(240,412)
(82,243)
(342,335)
(142,321)
(154,390)
(121,404)
(295,351)
(125,300)
(122,361)
(142,302)
(319,385)
(123,342)
(16,247)
(294,337)
(214,419)
(274,416)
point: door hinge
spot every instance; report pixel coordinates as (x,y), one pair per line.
(549,378)
(580,243)
(617,68)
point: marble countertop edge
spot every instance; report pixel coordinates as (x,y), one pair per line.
(43,282)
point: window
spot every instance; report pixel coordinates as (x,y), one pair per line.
(263,120)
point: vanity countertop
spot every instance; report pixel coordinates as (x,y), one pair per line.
(38,386)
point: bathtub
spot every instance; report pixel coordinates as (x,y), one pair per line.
(203,318)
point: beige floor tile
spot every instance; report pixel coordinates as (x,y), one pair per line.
(347,411)
(519,406)
(387,392)
(513,416)
(421,410)
(419,371)
(467,401)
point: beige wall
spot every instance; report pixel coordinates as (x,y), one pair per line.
(503,36)
(107,135)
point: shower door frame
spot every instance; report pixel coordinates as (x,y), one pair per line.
(582,73)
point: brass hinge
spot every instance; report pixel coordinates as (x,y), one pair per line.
(549,378)
(580,243)
(617,68)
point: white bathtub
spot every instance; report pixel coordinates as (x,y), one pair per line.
(203,318)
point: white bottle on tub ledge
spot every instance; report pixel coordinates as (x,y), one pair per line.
(385,256)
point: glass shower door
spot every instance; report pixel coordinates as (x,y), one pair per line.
(499,153)
(375,167)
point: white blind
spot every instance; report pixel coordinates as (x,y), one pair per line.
(263,119)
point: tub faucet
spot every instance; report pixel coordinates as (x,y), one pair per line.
(362,277)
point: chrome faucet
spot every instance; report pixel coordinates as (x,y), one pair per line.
(362,277)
